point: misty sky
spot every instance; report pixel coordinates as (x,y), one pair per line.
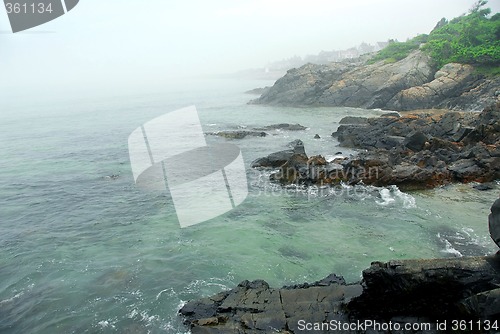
(110,43)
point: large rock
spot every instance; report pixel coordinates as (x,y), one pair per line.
(435,288)
(494,222)
(397,292)
(416,141)
(278,159)
(254,307)
(449,82)
(424,150)
(282,126)
(349,84)
(238,134)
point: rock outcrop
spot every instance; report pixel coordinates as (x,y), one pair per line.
(396,292)
(494,222)
(425,150)
(450,89)
(437,289)
(408,84)
(237,134)
(254,307)
(278,159)
(257,131)
(414,151)
(282,126)
(258,91)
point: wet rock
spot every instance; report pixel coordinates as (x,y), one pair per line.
(293,171)
(404,292)
(278,159)
(433,288)
(416,141)
(282,126)
(465,170)
(295,143)
(240,134)
(414,151)
(424,145)
(494,222)
(317,136)
(273,160)
(254,307)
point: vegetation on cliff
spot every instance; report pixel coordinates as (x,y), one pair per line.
(469,39)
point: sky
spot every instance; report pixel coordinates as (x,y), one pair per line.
(114,43)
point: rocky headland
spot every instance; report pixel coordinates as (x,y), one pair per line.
(408,84)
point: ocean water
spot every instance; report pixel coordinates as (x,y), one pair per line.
(82,250)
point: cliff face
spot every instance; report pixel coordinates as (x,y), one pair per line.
(408,84)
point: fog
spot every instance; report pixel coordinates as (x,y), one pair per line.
(118,44)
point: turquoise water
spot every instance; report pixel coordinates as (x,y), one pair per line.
(84,251)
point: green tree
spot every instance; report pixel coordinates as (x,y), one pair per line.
(472,39)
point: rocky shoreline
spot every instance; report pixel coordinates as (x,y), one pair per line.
(408,84)
(413,151)
(426,296)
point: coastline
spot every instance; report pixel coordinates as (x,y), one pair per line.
(396,295)
(430,292)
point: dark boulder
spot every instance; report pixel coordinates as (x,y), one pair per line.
(239,134)
(494,222)
(416,141)
(282,126)
(433,288)
(277,159)
(293,171)
(273,160)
